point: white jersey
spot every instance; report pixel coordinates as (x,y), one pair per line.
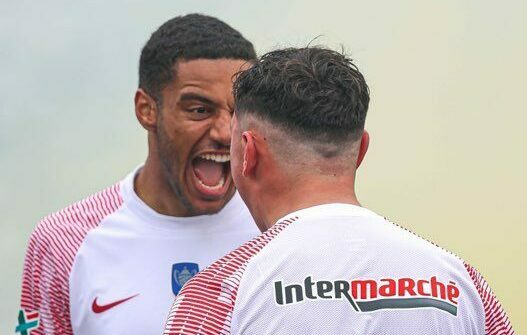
(337,269)
(112,265)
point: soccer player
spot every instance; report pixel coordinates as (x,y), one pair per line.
(113,263)
(324,264)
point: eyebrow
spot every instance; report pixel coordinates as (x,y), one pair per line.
(196,97)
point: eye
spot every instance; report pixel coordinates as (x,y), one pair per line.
(198,113)
(199,110)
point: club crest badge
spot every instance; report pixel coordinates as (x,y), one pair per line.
(181,273)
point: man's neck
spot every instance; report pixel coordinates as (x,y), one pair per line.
(150,186)
(276,204)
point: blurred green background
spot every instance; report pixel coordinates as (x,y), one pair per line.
(448,153)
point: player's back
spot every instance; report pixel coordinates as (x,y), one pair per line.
(338,269)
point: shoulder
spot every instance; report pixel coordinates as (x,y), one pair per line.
(208,299)
(483,303)
(50,255)
(496,320)
(66,228)
(407,239)
(237,260)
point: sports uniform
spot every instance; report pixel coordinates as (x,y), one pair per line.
(337,269)
(110,264)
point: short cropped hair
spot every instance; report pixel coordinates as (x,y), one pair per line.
(312,92)
(188,37)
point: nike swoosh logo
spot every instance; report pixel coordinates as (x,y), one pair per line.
(96,308)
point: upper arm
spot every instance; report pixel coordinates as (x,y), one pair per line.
(45,287)
(496,320)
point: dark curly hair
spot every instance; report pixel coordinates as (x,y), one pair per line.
(188,37)
(312,92)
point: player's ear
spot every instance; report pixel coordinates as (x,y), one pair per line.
(363,148)
(250,157)
(145,110)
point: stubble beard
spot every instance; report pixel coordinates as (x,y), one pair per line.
(170,165)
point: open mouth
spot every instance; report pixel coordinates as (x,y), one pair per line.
(211,173)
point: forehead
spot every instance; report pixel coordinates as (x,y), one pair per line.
(207,74)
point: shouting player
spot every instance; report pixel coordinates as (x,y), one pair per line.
(112,263)
(324,264)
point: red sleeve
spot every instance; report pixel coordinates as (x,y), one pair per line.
(50,256)
(496,321)
(205,304)
(45,289)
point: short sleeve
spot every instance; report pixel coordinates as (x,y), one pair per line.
(496,321)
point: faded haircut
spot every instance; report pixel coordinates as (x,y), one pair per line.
(314,94)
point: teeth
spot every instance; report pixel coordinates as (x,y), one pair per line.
(220,184)
(218,158)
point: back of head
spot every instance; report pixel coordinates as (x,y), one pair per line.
(315,96)
(188,37)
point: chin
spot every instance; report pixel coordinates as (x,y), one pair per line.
(207,206)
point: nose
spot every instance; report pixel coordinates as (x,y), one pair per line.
(221,129)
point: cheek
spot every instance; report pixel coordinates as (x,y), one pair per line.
(173,148)
(184,135)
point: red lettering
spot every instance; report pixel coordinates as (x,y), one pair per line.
(388,289)
(406,285)
(437,286)
(421,287)
(453,292)
(366,288)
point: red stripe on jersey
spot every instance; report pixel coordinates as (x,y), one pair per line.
(33,315)
(205,304)
(496,321)
(50,255)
